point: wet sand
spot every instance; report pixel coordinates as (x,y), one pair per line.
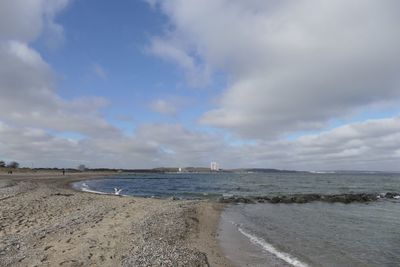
(44,222)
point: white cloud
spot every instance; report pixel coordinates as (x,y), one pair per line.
(292,65)
(164,107)
(28,97)
(197,74)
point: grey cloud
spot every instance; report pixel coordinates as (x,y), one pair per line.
(180,146)
(370,145)
(293,65)
(152,145)
(24,21)
(29,145)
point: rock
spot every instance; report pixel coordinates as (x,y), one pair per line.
(306,198)
(391,195)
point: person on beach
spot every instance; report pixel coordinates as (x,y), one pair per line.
(63,171)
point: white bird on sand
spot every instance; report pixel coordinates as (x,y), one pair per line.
(117,191)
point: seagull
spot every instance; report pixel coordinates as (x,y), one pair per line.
(117,191)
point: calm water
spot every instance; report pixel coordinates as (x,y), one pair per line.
(313,234)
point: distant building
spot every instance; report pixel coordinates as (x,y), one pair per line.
(82,168)
(214,166)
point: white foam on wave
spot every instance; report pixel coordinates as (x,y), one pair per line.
(85,189)
(271,249)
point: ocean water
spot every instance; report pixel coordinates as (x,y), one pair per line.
(311,234)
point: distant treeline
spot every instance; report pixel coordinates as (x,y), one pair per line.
(81,168)
(264,170)
(11,164)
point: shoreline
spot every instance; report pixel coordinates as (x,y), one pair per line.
(46,222)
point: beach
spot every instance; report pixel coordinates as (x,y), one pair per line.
(44,222)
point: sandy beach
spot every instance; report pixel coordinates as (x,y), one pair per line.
(44,222)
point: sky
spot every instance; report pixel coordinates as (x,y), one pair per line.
(306,85)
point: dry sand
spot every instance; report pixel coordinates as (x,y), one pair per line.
(43,222)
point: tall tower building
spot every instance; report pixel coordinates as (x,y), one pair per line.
(214,166)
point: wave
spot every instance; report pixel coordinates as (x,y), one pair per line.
(271,249)
(85,188)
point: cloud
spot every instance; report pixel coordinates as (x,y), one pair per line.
(32,145)
(370,145)
(288,69)
(152,145)
(99,71)
(28,95)
(24,21)
(163,107)
(292,65)
(197,74)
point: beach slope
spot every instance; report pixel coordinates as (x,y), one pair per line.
(46,223)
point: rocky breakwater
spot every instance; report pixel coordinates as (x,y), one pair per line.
(306,198)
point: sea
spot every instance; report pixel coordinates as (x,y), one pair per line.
(265,234)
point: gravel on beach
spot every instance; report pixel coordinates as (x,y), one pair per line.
(43,222)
